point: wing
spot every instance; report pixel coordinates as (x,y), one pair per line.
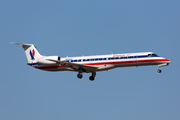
(75,66)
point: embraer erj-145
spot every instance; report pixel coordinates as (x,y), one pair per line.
(91,64)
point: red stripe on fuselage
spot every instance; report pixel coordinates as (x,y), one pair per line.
(108,63)
(127,62)
(50,67)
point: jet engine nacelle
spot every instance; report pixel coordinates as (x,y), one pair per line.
(47,60)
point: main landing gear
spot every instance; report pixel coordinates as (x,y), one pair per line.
(80,73)
(92,77)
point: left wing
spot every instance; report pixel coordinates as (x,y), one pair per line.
(74,65)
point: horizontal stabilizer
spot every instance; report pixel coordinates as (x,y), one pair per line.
(22,45)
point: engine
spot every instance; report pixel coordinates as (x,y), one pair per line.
(49,60)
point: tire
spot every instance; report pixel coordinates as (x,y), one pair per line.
(80,76)
(159,71)
(91,78)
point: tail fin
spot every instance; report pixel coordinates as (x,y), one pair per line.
(31,52)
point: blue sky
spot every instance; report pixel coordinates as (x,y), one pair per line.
(75,28)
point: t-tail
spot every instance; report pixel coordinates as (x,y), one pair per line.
(33,55)
(31,52)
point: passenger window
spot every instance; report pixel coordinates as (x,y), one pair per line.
(96,59)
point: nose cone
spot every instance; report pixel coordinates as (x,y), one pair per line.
(168,61)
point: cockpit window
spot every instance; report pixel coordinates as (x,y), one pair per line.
(154,55)
(149,55)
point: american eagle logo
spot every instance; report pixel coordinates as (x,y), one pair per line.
(32,53)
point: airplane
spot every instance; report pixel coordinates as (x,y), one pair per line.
(91,64)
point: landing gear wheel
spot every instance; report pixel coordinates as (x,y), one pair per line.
(80,76)
(159,71)
(91,78)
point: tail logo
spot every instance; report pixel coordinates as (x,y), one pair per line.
(32,53)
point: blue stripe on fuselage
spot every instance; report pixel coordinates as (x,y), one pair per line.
(110,58)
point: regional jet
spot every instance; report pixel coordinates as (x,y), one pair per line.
(91,64)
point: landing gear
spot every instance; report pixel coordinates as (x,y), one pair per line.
(161,65)
(159,71)
(80,75)
(92,77)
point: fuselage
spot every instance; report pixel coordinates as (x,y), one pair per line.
(90,64)
(107,62)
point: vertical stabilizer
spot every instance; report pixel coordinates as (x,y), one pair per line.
(31,52)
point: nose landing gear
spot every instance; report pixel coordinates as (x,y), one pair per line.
(159,71)
(161,65)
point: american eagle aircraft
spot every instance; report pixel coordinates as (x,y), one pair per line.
(91,64)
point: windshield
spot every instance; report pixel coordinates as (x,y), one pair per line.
(154,55)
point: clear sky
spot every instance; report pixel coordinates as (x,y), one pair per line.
(94,27)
